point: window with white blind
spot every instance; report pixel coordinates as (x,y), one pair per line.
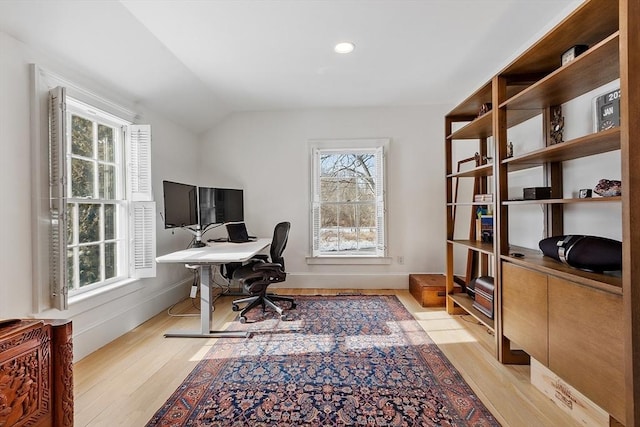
(101,205)
(348,198)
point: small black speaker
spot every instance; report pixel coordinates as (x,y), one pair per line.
(591,253)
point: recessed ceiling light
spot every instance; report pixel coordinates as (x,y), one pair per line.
(344,47)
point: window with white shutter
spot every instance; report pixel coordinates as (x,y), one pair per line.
(348,198)
(101,204)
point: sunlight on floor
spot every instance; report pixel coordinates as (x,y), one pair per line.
(446,329)
(285,338)
(202,351)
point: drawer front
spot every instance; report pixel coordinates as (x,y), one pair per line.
(524,310)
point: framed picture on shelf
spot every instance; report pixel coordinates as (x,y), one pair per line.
(606,110)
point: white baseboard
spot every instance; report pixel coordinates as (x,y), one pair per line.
(123,316)
(345,281)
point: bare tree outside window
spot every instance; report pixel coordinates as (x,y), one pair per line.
(348,202)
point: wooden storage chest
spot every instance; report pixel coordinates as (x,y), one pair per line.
(430,289)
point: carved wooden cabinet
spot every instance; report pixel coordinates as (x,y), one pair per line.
(36,374)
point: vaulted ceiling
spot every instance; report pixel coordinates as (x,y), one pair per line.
(198,60)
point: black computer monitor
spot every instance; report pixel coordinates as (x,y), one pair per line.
(220,205)
(232,202)
(180,204)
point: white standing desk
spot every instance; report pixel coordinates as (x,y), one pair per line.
(216,254)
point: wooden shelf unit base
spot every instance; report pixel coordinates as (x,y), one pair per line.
(465,302)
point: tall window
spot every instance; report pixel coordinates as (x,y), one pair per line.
(348,209)
(96,199)
(101,208)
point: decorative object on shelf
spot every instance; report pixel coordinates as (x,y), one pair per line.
(590,253)
(485,108)
(483,198)
(510,149)
(572,53)
(471,289)
(536,193)
(606,109)
(557,125)
(483,290)
(584,193)
(608,188)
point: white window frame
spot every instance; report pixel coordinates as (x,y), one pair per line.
(138,208)
(119,200)
(377,146)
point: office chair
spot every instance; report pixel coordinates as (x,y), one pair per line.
(258,274)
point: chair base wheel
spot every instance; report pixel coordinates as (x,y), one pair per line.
(235,307)
(293,306)
(243,319)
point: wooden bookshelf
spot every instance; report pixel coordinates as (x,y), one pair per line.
(531,85)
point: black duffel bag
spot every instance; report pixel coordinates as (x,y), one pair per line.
(589,253)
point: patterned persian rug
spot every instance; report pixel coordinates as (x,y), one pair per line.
(339,361)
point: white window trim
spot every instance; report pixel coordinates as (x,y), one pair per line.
(347,144)
(42,81)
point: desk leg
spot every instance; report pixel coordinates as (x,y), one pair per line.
(205,313)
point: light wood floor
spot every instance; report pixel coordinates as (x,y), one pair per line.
(125,382)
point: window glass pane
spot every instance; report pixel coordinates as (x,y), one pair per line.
(327,165)
(328,215)
(71,215)
(89,262)
(88,223)
(367,216)
(347,237)
(81,136)
(109,222)
(328,190)
(347,216)
(70,270)
(110,260)
(106,149)
(347,190)
(367,230)
(328,239)
(367,240)
(366,189)
(106,181)
(81,178)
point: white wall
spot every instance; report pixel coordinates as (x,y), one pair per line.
(267,154)
(526,226)
(100,319)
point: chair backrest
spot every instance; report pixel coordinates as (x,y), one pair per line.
(279,242)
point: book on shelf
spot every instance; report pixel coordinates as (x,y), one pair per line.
(484,228)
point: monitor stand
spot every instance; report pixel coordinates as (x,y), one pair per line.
(197,233)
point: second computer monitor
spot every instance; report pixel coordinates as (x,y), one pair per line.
(220,205)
